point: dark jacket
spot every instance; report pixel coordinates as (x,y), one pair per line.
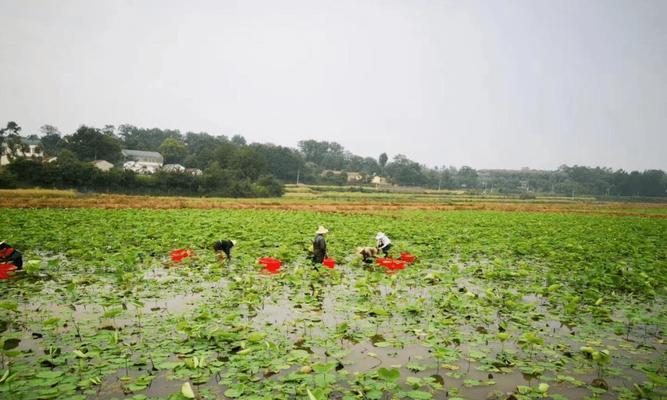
(224,245)
(11,256)
(319,249)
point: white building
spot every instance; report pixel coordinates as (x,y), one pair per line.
(353,177)
(102,165)
(143,162)
(194,171)
(379,180)
(27,149)
(173,168)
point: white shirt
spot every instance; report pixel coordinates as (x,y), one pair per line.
(383,241)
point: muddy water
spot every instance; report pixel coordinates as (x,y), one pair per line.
(280,312)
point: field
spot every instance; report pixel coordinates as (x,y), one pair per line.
(567,302)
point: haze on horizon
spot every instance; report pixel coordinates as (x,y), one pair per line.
(502,84)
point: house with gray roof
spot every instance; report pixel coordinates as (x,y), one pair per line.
(143,162)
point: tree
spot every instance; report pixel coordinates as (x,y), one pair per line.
(328,155)
(467,177)
(282,162)
(173,150)
(12,128)
(10,137)
(89,144)
(52,143)
(406,172)
(145,139)
(248,163)
(201,149)
(238,140)
(382,160)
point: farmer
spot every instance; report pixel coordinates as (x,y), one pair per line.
(224,247)
(9,255)
(383,243)
(368,254)
(320,245)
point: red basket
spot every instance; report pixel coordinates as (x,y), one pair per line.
(265,260)
(179,254)
(272,266)
(329,263)
(407,257)
(396,265)
(7,271)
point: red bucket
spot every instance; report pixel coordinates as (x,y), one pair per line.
(7,271)
(179,254)
(386,262)
(407,257)
(329,263)
(271,265)
(397,265)
(265,260)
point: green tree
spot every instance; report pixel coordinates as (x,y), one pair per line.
(467,177)
(248,163)
(405,172)
(173,150)
(145,139)
(11,128)
(89,143)
(51,142)
(282,162)
(382,160)
(238,140)
(10,137)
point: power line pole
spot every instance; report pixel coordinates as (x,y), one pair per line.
(298,172)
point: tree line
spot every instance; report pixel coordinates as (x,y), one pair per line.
(233,167)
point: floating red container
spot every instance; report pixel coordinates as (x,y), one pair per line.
(7,271)
(407,257)
(390,263)
(271,265)
(329,263)
(265,260)
(383,261)
(397,265)
(179,254)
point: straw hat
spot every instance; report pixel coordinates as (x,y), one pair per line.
(321,230)
(379,235)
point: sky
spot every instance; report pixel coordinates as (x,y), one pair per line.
(489,84)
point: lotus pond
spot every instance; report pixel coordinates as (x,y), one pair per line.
(498,305)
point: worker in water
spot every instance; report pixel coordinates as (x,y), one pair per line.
(320,245)
(9,255)
(224,248)
(383,243)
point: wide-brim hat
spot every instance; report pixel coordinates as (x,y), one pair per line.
(379,235)
(321,230)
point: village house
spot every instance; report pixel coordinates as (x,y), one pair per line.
(27,149)
(102,165)
(143,162)
(354,177)
(173,168)
(379,180)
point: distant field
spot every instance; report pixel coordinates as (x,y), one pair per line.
(323,199)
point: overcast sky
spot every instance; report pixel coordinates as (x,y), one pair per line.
(490,84)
